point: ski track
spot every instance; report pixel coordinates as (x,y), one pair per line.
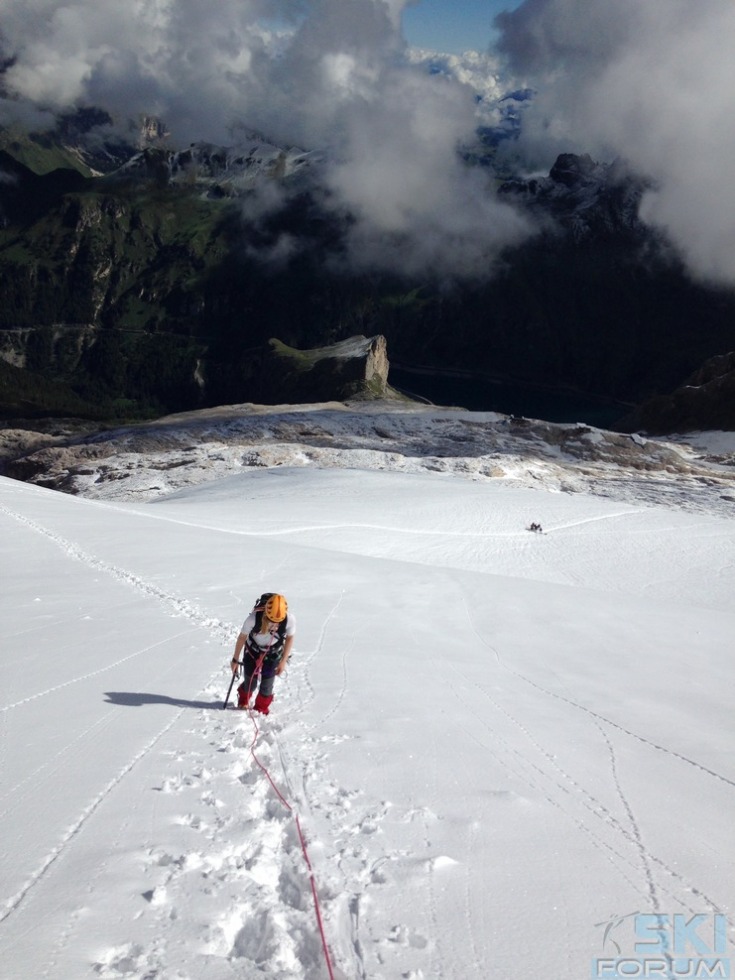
(634,826)
(578,794)
(354,908)
(309,655)
(245,938)
(581,522)
(95,673)
(522,768)
(631,836)
(132,957)
(248,937)
(179,607)
(52,761)
(13,903)
(429,532)
(74,923)
(609,850)
(175,604)
(640,738)
(592,803)
(282,532)
(346,651)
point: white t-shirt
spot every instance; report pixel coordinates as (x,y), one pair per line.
(264,640)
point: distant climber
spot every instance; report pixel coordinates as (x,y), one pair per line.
(535,527)
(262,649)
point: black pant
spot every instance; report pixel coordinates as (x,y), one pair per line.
(267,674)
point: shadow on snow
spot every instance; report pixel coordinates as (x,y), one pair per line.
(133,700)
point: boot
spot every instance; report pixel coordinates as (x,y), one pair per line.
(263,702)
(242,696)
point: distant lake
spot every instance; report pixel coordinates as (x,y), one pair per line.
(481,394)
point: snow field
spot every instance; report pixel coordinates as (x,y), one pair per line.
(494,739)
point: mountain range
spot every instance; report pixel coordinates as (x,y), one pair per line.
(139,279)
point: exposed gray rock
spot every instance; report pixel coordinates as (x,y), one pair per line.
(219,170)
(705,401)
(588,198)
(353,368)
(152,459)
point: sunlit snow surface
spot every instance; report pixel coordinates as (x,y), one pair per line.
(497,741)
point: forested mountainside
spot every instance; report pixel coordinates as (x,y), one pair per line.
(135,282)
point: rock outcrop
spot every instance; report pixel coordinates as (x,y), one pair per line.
(353,368)
(156,458)
(590,200)
(705,401)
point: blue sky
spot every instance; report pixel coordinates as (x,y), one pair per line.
(453,25)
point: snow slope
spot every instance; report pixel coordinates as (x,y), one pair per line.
(495,741)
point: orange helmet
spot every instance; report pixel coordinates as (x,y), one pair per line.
(276,609)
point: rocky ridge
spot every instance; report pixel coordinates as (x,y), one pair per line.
(706,400)
(586,197)
(219,171)
(153,460)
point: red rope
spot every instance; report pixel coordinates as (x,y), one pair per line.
(302,839)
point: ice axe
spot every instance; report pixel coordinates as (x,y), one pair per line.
(235,674)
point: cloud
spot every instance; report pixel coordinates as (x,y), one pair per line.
(420,206)
(338,79)
(182,59)
(650,81)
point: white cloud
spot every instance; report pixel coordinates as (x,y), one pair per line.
(341,81)
(421,208)
(649,80)
(182,59)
